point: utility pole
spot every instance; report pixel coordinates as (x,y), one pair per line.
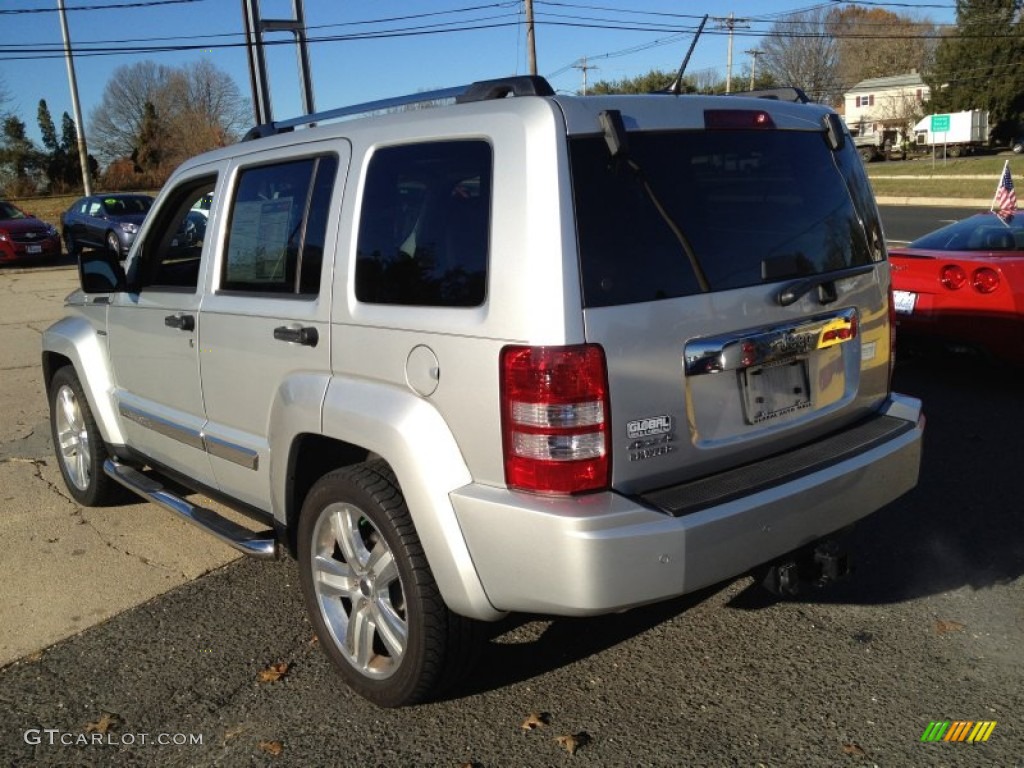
(531,44)
(730,23)
(583,66)
(753,53)
(83,151)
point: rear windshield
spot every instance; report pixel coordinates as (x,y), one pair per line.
(753,206)
(983,232)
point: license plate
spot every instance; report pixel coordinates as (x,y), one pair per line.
(33,249)
(904,302)
(772,391)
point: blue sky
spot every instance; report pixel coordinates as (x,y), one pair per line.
(346,71)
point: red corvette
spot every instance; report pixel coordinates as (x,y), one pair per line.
(962,287)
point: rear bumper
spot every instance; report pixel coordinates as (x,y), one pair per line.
(601,553)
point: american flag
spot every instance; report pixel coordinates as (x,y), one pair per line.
(1005,200)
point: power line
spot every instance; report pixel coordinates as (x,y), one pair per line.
(116,6)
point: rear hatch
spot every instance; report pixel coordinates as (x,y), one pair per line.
(733,270)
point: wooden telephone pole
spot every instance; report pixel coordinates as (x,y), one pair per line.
(531,44)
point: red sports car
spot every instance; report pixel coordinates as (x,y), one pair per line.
(24,237)
(962,287)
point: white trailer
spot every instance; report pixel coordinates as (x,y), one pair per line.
(960,133)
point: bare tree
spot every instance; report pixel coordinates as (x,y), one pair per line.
(874,42)
(195,108)
(115,125)
(800,51)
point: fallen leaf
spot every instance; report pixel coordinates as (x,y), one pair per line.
(573,742)
(943,626)
(535,720)
(274,672)
(107,721)
(854,750)
(274,748)
(314,642)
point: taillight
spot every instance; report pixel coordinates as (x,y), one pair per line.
(985,280)
(555,418)
(953,277)
(737,119)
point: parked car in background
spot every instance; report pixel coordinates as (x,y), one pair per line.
(23,237)
(961,288)
(108,221)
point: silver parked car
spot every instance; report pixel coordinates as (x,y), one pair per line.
(548,354)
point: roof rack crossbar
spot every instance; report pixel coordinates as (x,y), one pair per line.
(484,90)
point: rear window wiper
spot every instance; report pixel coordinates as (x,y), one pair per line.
(618,146)
(790,293)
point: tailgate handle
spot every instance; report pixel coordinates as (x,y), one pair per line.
(306,336)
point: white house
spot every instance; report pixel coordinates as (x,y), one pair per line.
(885,104)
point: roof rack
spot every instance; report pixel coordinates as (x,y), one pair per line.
(482,90)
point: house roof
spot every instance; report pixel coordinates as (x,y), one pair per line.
(912,80)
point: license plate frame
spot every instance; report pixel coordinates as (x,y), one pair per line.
(904,302)
(776,389)
(33,249)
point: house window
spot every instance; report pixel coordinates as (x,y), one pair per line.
(920,96)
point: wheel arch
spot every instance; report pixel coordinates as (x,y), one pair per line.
(365,419)
(73,341)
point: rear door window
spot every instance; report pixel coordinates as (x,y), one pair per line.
(756,206)
(424,225)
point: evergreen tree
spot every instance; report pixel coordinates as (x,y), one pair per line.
(979,66)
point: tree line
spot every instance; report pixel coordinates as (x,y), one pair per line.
(150,118)
(978,64)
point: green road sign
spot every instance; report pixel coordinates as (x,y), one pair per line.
(940,123)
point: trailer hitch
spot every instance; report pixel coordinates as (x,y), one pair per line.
(815,565)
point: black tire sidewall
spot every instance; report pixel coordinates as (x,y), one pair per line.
(100,490)
(421,661)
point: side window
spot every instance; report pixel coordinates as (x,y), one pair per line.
(278,224)
(171,254)
(424,225)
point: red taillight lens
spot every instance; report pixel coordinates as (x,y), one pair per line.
(555,420)
(953,277)
(985,280)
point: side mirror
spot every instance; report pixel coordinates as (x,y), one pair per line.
(100,272)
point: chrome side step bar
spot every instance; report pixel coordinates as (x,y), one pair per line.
(261,545)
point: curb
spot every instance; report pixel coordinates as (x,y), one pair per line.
(937,202)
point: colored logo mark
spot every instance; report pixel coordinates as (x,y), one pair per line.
(959,730)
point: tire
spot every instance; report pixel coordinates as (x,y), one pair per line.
(113,244)
(955,151)
(866,154)
(372,599)
(78,443)
(71,245)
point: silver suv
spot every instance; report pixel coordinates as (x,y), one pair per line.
(520,353)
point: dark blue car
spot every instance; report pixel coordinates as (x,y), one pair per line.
(108,221)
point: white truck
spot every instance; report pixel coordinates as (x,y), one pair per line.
(960,133)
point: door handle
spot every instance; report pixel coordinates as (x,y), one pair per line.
(181,322)
(306,336)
